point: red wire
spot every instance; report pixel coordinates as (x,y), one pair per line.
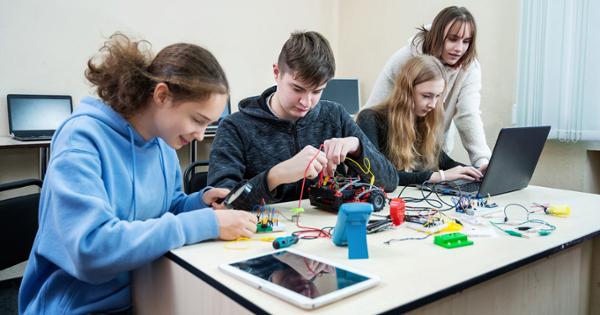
(308,229)
(308,267)
(306,171)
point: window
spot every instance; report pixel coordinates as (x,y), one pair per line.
(558,71)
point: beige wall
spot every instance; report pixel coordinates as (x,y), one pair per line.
(47,54)
(44,45)
(371,31)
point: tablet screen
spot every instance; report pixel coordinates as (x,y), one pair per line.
(300,274)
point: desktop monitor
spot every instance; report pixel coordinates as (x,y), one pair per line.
(345,92)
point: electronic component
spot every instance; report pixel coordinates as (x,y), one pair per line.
(267,220)
(473,220)
(453,227)
(330,193)
(396,217)
(375,226)
(431,229)
(464,203)
(350,229)
(424,224)
(542,227)
(559,210)
(397,210)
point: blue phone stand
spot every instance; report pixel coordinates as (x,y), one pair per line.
(351,229)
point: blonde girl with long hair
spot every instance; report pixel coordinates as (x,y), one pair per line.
(407,126)
(451,38)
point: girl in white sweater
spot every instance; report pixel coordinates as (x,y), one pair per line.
(450,38)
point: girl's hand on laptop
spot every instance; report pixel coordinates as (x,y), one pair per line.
(458,172)
(336,150)
(483,168)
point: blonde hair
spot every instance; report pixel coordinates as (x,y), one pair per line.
(413,142)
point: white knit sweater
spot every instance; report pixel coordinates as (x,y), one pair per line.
(461,102)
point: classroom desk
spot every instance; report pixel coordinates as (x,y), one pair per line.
(497,275)
(7,142)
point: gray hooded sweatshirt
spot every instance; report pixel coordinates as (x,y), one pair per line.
(251,141)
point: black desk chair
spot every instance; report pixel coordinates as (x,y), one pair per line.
(18,227)
(194,181)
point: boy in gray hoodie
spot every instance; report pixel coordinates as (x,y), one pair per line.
(287,133)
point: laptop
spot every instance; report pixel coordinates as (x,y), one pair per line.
(511,166)
(212,128)
(36,117)
(345,92)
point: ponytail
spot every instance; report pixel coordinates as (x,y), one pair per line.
(126,73)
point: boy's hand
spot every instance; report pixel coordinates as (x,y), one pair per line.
(234,224)
(292,170)
(213,195)
(336,150)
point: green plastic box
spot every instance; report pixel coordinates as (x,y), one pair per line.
(452,240)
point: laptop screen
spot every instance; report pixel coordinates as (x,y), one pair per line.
(37,112)
(345,92)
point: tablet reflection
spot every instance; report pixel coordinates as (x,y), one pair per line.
(290,279)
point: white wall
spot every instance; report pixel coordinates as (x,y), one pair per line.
(374,30)
(371,31)
(44,45)
(46,52)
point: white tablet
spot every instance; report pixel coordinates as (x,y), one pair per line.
(300,279)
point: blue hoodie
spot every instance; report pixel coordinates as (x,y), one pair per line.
(111,202)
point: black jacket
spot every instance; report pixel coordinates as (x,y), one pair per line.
(250,142)
(375,127)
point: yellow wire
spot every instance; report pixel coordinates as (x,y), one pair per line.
(367,166)
(228,245)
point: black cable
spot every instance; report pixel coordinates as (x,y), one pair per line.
(451,206)
(425,197)
(516,205)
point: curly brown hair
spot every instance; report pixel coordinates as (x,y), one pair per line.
(125,73)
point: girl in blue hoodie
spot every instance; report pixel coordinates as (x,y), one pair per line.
(112,199)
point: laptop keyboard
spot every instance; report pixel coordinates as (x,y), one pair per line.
(33,138)
(470,186)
